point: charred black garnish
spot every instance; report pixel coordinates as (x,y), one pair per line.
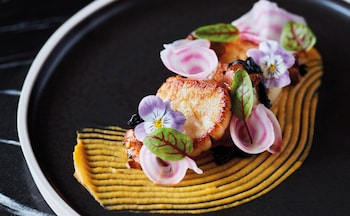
(223,154)
(249,65)
(302,69)
(263,97)
(297,71)
(252,68)
(134,120)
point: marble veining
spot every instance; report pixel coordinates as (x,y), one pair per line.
(10,142)
(16,208)
(12,92)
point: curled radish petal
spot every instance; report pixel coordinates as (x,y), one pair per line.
(276,147)
(264,22)
(165,172)
(192,165)
(190,58)
(178,45)
(261,133)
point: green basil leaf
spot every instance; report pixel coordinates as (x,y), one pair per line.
(220,32)
(297,37)
(168,144)
(242,95)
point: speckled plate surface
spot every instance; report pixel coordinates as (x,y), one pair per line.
(101,62)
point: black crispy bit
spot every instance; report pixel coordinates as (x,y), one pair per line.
(251,67)
(302,69)
(263,97)
(134,120)
(223,154)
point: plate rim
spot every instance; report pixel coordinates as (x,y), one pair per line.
(53,199)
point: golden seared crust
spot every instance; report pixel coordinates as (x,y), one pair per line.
(223,74)
(133,147)
(236,49)
(205,104)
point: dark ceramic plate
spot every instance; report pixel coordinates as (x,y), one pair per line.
(99,64)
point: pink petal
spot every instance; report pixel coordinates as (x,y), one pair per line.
(278,82)
(270,46)
(264,22)
(178,45)
(276,147)
(166,172)
(261,130)
(193,59)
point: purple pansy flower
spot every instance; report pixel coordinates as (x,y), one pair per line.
(157,114)
(274,61)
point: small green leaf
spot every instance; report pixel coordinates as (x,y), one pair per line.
(242,95)
(220,32)
(168,144)
(297,37)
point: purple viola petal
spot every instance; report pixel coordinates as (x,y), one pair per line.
(279,82)
(269,46)
(143,129)
(173,119)
(274,62)
(273,66)
(168,106)
(255,54)
(288,58)
(151,108)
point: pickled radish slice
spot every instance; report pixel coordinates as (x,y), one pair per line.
(264,129)
(190,58)
(165,172)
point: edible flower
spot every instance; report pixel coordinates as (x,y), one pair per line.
(165,172)
(190,58)
(264,22)
(265,132)
(157,114)
(274,61)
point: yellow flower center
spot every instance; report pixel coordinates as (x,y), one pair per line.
(272,68)
(158,123)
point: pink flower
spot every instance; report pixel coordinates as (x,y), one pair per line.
(190,58)
(264,22)
(264,131)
